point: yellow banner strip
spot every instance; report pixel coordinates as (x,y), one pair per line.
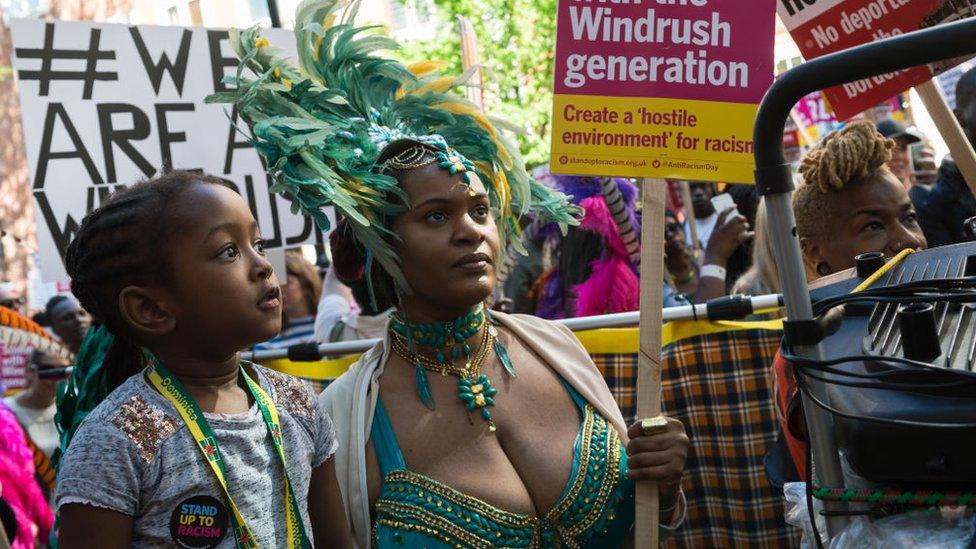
(607,341)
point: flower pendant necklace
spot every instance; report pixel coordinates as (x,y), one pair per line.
(474,388)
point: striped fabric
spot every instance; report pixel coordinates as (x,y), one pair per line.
(43,471)
(620,372)
(300,331)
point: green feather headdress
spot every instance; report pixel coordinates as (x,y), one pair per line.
(322,123)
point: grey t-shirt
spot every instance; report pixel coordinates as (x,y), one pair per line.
(134,455)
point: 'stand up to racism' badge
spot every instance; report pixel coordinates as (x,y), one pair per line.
(199,522)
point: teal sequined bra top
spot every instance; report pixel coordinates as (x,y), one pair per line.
(596,508)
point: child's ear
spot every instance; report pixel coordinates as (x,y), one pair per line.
(142,309)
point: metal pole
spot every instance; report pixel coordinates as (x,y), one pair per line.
(774,182)
(273,14)
(715,309)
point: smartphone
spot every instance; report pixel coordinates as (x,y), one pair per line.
(914,152)
(723,202)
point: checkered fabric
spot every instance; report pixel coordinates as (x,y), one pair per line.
(620,372)
(720,386)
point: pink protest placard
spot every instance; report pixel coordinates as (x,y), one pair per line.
(660,88)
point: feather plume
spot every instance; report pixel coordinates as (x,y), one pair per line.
(613,286)
(321,124)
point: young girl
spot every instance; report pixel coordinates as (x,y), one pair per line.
(193,447)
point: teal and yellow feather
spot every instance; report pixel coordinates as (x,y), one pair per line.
(316,119)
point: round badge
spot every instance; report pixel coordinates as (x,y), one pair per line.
(199,522)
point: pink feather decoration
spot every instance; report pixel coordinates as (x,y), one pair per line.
(613,286)
(18,486)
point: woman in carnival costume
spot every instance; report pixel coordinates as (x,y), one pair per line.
(593,269)
(462,427)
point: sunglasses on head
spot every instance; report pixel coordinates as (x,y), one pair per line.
(48,371)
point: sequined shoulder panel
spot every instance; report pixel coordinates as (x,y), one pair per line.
(596,509)
(291,394)
(146,425)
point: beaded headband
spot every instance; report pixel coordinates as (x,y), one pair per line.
(420,155)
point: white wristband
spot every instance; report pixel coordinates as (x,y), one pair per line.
(713,271)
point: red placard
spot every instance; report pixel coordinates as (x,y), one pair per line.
(820,27)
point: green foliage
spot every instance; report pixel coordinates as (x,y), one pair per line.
(517,40)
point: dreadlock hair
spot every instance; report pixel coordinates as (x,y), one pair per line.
(121,244)
(853,156)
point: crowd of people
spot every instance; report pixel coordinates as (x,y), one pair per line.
(466,425)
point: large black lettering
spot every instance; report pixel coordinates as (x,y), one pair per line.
(56,111)
(63,234)
(306,232)
(218,62)
(795,6)
(233,144)
(155,70)
(166,137)
(123,138)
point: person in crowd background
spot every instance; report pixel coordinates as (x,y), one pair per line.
(68,320)
(299,301)
(35,409)
(587,269)
(901,164)
(849,203)
(187,424)
(347,311)
(705,215)
(762,277)
(944,208)
(708,280)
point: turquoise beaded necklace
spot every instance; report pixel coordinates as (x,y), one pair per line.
(450,341)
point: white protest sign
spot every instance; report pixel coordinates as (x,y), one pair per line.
(107,105)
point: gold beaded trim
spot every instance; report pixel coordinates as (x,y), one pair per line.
(441,528)
(609,484)
(413,157)
(511,520)
(453,534)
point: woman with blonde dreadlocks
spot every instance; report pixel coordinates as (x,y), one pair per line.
(849,204)
(463,427)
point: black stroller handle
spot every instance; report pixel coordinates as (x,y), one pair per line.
(921,47)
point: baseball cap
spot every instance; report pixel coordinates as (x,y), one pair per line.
(893,130)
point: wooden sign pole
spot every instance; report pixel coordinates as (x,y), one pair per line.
(945,120)
(470,57)
(690,215)
(653,192)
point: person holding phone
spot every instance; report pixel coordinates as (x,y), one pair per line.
(723,230)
